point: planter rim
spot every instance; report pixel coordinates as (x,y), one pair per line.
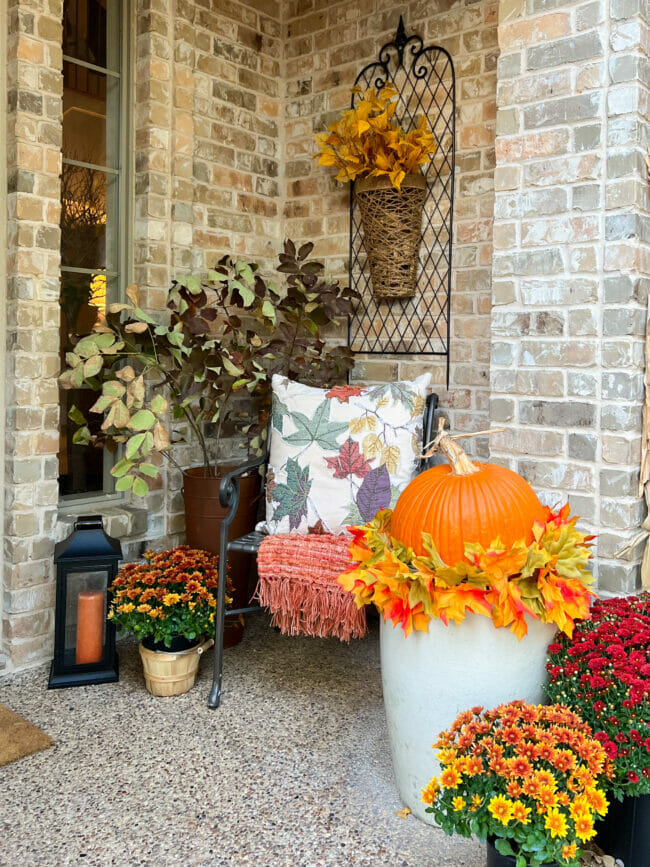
(220,470)
(384,182)
(202,645)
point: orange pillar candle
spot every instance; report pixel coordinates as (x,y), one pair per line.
(90,626)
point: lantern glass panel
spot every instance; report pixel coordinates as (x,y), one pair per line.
(85,617)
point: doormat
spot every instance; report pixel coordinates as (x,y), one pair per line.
(18,737)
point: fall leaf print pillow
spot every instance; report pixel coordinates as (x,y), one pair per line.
(339,455)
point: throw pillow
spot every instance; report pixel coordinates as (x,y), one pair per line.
(339,455)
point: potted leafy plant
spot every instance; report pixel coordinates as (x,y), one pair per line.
(526,777)
(168,603)
(467,548)
(223,337)
(368,146)
(602,672)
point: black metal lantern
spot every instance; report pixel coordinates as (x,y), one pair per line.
(84,640)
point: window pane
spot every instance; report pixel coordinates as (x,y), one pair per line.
(83,305)
(90,116)
(91,233)
(89,219)
(86,24)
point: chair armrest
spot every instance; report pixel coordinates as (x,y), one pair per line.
(229,487)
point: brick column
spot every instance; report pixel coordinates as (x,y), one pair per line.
(569,305)
(34,88)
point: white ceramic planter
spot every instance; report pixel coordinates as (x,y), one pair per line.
(430,677)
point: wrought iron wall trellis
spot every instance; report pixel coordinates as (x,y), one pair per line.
(425,81)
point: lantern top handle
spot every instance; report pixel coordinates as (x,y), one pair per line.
(88,540)
(89,522)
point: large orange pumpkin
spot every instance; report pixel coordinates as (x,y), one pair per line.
(464,502)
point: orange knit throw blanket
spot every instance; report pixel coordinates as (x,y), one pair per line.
(298,585)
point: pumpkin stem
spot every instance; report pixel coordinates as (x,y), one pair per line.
(457,457)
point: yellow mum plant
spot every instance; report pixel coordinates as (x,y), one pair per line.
(527,777)
(368,141)
(171,594)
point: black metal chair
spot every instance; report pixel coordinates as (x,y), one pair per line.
(249,544)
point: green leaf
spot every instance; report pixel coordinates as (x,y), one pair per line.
(113,388)
(105,341)
(139,312)
(247,295)
(150,470)
(140,487)
(102,403)
(147,444)
(121,468)
(158,404)
(81,436)
(121,414)
(232,369)
(86,347)
(144,419)
(503,847)
(175,338)
(76,415)
(124,484)
(133,445)
(77,376)
(269,311)
(93,366)
(245,272)
(193,283)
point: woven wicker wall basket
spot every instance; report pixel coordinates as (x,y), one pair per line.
(392,230)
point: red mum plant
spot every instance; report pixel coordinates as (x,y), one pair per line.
(603,673)
(527,777)
(172,594)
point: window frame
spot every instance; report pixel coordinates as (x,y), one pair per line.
(125,214)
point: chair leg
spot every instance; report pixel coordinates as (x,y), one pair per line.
(214,699)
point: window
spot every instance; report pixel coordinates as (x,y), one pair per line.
(93,206)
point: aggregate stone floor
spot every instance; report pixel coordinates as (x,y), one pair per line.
(293,769)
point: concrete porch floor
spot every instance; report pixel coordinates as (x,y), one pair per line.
(293,769)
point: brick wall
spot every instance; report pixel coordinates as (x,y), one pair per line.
(570,238)
(227,97)
(33,119)
(208,107)
(206,172)
(327,45)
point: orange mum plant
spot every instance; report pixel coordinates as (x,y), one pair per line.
(172,594)
(368,142)
(547,579)
(528,778)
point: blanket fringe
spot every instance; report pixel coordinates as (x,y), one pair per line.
(298,585)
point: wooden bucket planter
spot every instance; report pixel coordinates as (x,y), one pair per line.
(172,673)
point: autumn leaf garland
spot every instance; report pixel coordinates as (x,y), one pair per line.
(548,580)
